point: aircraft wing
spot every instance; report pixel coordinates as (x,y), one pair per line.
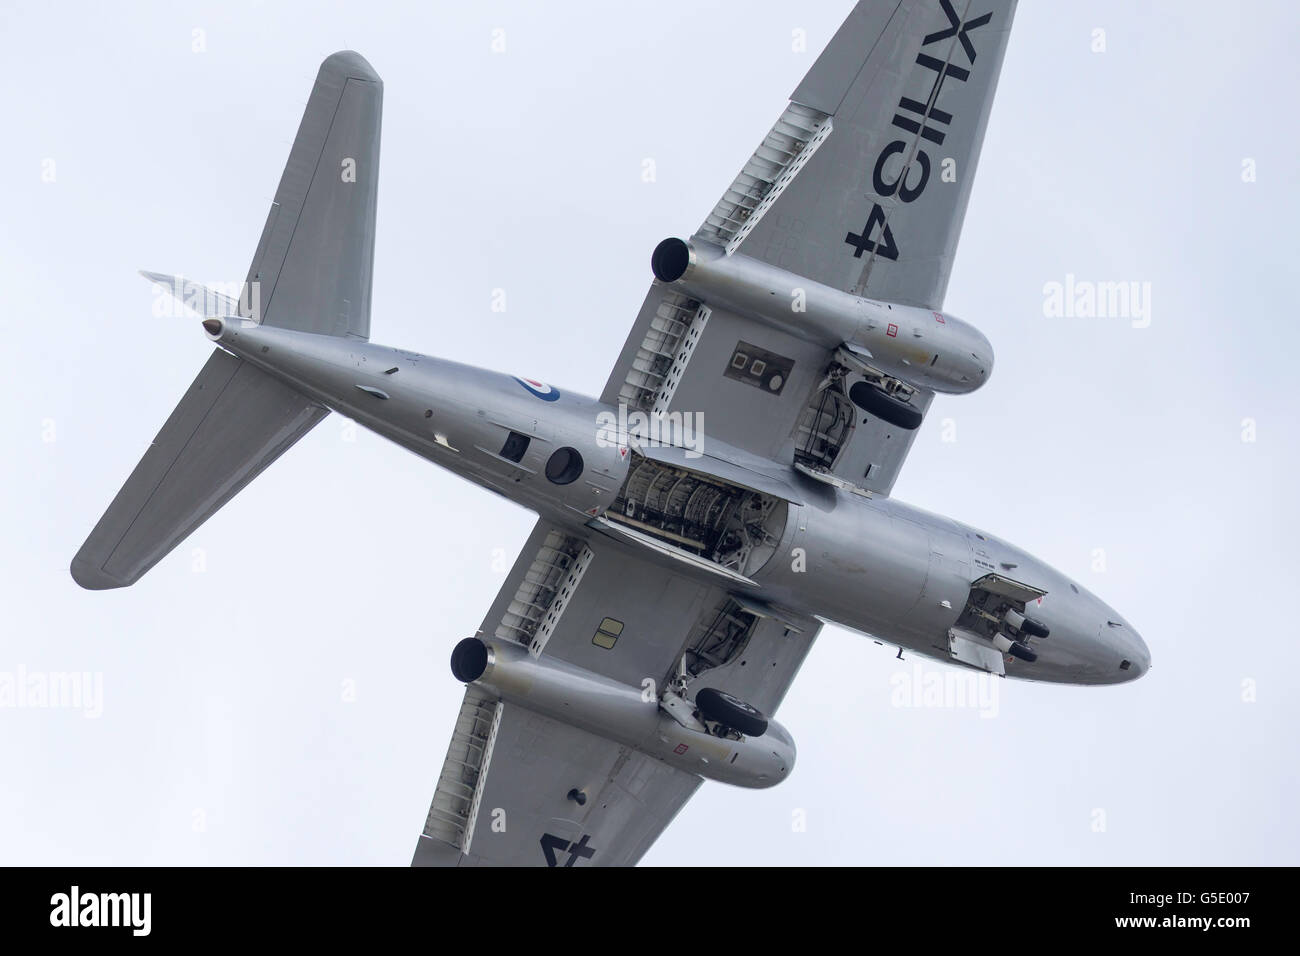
(862,185)
(501,798)
(522,817)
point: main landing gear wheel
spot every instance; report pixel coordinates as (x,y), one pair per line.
(1034,628)
(1022,651)
(731,712)
(878,402)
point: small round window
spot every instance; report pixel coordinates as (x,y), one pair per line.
(564,466)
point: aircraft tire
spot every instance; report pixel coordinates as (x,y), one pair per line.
(1034,628)
(884,406)
(1023,652)
(731,712)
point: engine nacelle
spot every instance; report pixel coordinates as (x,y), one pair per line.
(609,708)
(919,346)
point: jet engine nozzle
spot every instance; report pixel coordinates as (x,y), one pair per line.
(670,259)
(469,659)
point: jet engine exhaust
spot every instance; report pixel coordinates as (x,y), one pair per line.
(469,659)
(669,260)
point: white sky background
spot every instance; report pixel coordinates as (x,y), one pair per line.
(224,736)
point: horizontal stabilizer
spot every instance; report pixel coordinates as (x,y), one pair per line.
(232,422)
(193,295)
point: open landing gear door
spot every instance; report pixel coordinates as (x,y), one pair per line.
(1005,587)
(966,647)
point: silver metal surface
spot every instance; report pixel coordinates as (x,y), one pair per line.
(656,572)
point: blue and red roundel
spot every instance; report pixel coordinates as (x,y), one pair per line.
(543,391)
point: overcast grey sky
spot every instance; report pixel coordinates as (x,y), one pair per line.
(277,690)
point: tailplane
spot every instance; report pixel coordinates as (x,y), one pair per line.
(232,422)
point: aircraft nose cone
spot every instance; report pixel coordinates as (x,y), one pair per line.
(1143,664)
(986,356)
(1136,653)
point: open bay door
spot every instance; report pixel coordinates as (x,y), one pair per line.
(993,623)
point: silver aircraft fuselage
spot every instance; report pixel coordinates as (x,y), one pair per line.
(871,564)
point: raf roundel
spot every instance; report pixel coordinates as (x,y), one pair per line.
(543,391)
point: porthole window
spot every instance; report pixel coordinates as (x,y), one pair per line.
(564,466)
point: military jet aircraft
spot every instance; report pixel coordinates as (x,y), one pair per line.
(727,493)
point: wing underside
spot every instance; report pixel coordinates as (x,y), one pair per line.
(888,127)
(513,808)
(502,794)
(861,185)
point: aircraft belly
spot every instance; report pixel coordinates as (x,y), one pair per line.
(851,560)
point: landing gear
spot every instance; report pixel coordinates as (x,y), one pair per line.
(1019,623)
(995,612)
(722,708)
(1023,652)
(1034,628)
(1015,648)
(890,408)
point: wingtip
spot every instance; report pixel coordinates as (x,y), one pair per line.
(350,63)
(92,578)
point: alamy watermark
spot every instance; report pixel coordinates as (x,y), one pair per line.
(53,690)
(174,294)
(78,908)
(1085,299)
(945,690)
(651,429)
